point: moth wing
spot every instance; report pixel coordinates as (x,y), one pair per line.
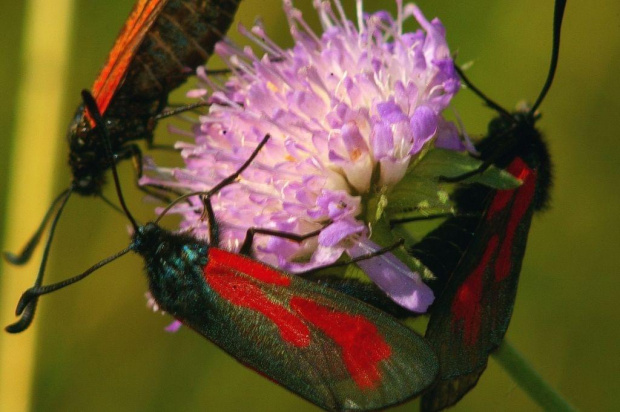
(469,320)
(142,17)
(332,350)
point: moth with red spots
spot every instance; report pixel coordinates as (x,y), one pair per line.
(159,47)
(333,350)
(477,256)
(326,347)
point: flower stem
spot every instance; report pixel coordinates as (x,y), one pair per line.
(522,372)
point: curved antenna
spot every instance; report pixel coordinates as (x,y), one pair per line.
(558,17)
(26,253)
(25,321)
(32,294)
(230,179)
(95,114)
(487,100)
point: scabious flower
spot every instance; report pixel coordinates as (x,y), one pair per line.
(348,113)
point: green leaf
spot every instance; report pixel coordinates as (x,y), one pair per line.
(449,163)
(418,193)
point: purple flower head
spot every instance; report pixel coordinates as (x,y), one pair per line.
(348,112)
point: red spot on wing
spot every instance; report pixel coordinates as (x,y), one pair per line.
(241,291)
(523,197)
(247,266)
(354,334)
(499,203)
(518,169)
(466,304)
(135,29)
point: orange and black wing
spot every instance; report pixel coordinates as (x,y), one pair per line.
(141,19)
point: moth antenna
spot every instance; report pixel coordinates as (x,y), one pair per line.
(30,296)
(30,309)
(25,254)
(558,17)
(487,100)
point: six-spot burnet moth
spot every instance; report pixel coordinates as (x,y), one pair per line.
(158,48)
(477,256)
(333,350)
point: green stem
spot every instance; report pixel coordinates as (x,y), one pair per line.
(529,380)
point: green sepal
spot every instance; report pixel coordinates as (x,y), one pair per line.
(381,202)
(354,272)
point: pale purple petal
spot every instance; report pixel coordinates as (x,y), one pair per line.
(336,204)
(322,256)
(390,112)
(340,230)
(174,326)
(424,127)
(448,138)
(393,277)
(382,140)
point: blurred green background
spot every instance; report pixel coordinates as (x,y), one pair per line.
(98,348)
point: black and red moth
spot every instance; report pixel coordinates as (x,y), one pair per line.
(326,347)
(335,351)
(158,48)
(477,256)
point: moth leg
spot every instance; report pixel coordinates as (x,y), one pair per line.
(164,111)
(367,256)
(174,110)
(206,196)
(246,247)
(134,153)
